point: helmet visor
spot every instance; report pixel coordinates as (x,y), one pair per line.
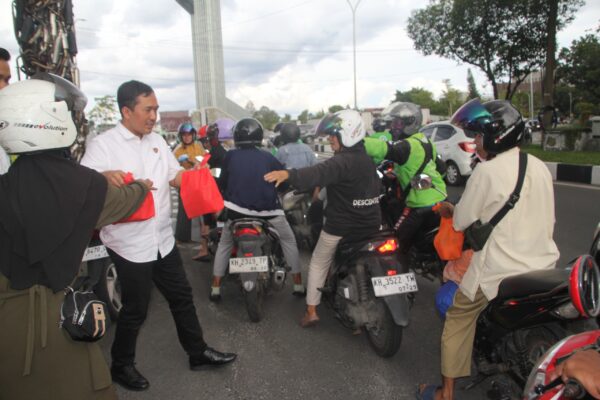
(186,127)
(64,91)
(471,116)
(329,125)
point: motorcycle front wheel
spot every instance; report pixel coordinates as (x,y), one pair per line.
(254,303)
(385,337)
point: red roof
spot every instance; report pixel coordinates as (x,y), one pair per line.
(170,120)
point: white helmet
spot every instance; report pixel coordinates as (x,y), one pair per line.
(36,114)
(348,125)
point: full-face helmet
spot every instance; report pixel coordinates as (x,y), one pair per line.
(498,121)
(403,118)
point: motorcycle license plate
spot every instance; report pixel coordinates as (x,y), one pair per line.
(240,265)
(94,253)
(395,284)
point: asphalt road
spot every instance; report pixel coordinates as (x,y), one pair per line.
(277,359)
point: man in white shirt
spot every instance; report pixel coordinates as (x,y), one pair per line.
(4,80)
(519,243)
(144,252)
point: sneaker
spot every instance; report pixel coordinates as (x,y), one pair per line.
(299,290)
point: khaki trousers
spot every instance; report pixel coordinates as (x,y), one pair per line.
(318,268)
(459,334)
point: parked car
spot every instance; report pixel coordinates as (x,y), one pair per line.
(455,147)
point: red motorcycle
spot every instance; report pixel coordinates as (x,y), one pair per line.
(540,387)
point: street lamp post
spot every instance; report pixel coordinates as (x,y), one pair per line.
(531,95)
(353,8)
(570,107)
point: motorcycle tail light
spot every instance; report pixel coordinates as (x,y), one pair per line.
(248,254)
(246,231)
(468,147)
(389,246)
(584,286)
(392,272)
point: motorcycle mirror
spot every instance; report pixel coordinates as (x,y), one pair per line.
(421,182)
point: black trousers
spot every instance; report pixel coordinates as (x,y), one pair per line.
(408,225)
(136,279)
(183,226)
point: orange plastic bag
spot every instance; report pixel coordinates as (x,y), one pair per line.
(146,209)
(448,243)
(199,192)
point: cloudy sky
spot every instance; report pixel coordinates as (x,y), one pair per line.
(289,55)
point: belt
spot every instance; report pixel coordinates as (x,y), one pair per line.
(33,292)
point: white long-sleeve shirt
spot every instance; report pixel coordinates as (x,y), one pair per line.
(522,241)
(146,158)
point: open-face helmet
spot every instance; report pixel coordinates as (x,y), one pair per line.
(347,125)
(290,133)
(247,132)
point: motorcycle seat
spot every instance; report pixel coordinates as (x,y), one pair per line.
(533,282)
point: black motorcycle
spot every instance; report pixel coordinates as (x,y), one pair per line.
(532,312)
(423,259)
(258,259)
(303,217)
(368,289)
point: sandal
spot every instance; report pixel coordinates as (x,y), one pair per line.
(427,393)
(309,320)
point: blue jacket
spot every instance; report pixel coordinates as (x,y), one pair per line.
(296,155)
(242,182)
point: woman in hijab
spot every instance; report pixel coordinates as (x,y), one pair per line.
(49,207)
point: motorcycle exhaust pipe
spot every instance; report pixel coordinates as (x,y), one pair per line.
(279,276)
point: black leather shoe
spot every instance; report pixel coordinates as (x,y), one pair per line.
(129,377)
(210,357)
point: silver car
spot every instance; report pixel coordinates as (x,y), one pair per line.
(455,147)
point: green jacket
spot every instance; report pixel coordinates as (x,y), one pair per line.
(384,136)
(408,155)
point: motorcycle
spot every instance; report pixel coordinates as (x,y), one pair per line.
(368,289)
(531,312)
(298,209)
(258,259)
(423,259)
(540,387)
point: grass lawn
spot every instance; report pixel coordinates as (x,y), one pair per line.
(566,157)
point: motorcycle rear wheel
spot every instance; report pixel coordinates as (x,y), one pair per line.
(385,339)
(254,300)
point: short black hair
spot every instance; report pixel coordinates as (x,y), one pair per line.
(128,93)
(4,54)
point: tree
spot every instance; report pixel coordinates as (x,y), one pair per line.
(451,98)
(505,39)
(417,95)
(303,116)
(335,108)
(473,92)
(579,67)
(286,118)
(104,111)
(267,117)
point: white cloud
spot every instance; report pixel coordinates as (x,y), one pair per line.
(288,55)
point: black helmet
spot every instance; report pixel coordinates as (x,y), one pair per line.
(290,133)
(186,127)
(379,125)
(278,127)
(498,121)
(247,132)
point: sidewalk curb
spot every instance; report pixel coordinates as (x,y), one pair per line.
(586,174)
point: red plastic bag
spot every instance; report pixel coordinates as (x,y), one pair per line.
(199,192)
(146,209)
(448,243)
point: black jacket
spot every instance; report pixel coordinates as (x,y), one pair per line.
(353,190)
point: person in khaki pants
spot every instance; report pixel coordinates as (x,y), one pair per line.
(516,244)
(352,195)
